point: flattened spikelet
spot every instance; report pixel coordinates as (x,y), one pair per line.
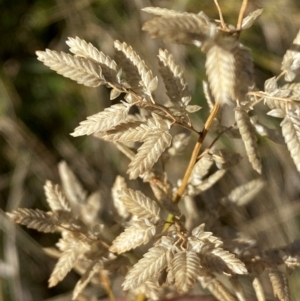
(243,194)
(55,198)
(291,133)
(127,132)
(258,288)
(180,28)
(119,184)
(82,70)
(285,98)
(185,266)
(86,50)
(173,78)
(102,121)
(86,278)
(291,60)
(139,233)
(251,18)
(233,263)
(208,96)
(205,237)
(149,153)
(248,136)
(243,72)
(220,291)
(150,265)
(71,185)
(211,180)
(220,70)
(67,261)
(136,131)
(34,219)
(140,205)
(135,68)
(280,285)
(213,263)
(162,11)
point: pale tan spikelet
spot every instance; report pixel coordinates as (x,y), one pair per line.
(118,185)
(271,85)
(220,70)
(204,237)
(258,288)
(146,268)
(149,153)
(218,289)
(55,198)
(102,121)
(291,60)
(67,261)
(280,284)
(231,261)
(139,233)
(208,96)
(86,50)
(248,136)
(82,70)
(128,132)
(173,78)
(181,28)
(73,189)
(81,284)
(245,193)
(136,130)
(35,219)
(158,11)
(185,266)
(251,18)
(151,289)
(201,169)
(211,180)
(291,132)
(295,88)
(213,264)
(243,71)
(285,98)
(238,289)
(135,68)
(140,205)
(282,100)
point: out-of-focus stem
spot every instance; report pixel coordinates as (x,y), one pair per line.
(241,14)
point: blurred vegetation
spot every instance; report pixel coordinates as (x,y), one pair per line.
(38,108)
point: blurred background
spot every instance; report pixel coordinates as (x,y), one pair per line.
(38,110)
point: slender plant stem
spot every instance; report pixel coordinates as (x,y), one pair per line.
(107,285)
(241,14)
(220,14)
(192,162)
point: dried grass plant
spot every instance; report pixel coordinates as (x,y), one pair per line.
(164,244)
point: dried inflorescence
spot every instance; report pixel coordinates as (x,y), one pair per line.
(181,253)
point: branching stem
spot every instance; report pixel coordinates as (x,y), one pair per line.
(223,24)
(193,160)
